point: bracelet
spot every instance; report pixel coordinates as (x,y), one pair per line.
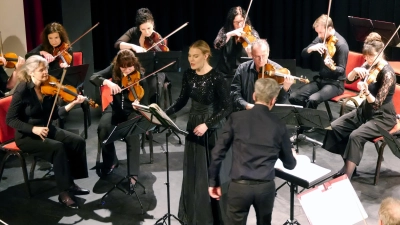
(368,94)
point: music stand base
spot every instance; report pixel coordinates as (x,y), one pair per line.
(167,217)
(291,222)
(130,192)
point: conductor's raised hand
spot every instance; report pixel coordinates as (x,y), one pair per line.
(42,132)
(215,192)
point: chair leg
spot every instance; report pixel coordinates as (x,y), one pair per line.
(151,146)
(86,115)
(379,162)
(3,162)
(170,93)
(328,109)
(25,173)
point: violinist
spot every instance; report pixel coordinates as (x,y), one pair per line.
(136,39)
(29,113)
(54,40)
(329,83)
(7,83)
(124,65)
(230,43)
(242,87)
(351,131)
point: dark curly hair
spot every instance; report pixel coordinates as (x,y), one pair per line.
(143,15)
(53,28)
(125,58)
(233,12)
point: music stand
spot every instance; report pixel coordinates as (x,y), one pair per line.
(158,117)
(362,27)
(134,126)
(298,116)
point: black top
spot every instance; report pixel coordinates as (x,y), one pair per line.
(383,89)
(121,105)
(131,36)
(206,89)
(258,139)
(26,111)
(340,59)
(231,52)
(53,65)
(242,86)
(3,81)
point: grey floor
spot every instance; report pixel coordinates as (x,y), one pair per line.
(43,207)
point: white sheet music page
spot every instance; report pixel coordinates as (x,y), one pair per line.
(336,204)
(304,169)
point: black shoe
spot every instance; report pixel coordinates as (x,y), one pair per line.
(67,201)
(108,171)
(76,190)
(338,174)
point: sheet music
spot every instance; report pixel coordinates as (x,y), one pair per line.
(154,119)
(338,204)
(304,169)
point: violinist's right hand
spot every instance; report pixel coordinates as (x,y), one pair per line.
(49,57)
(40,131)
(238,32)
(138,49)
(21,62)
(115,89)
(3,60)
(361,71)
(320,48)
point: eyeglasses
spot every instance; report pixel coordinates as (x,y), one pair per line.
(238,22)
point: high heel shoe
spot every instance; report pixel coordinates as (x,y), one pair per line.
(67,201)
(108,171)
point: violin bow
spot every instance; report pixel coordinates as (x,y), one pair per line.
(247,13)
(327,18)
(173,32)
(59,53)
(55,100)
(148,75)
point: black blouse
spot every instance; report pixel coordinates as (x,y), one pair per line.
(131,36)
(206,89)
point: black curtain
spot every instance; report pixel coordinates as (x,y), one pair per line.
(286,24)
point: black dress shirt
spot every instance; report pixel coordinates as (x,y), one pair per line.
(258,139)
(131,36)
(26,111)
(340,59)
(242,87)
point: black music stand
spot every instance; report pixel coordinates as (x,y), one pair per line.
(159,118)
(134,126)
(293,182)
(75,76)
(298,116)
(362,27)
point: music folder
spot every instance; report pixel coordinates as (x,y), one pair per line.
(334,202)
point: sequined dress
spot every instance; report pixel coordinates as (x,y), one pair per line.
(210,105)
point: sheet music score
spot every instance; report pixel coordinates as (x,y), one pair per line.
(304,169)
(338,203)
(146,113)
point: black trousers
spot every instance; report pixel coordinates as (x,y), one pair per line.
(106,125)
(65,150)
(312,94)
(242,196)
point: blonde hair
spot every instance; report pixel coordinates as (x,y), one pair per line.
(266,89)
(322,21)
(203,47)
(389,212)
(31,64)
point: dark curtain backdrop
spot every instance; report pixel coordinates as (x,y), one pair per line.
(286,24)
(33,22)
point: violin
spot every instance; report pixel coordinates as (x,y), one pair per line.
(135,90)
(67,92)
(330,52)
(247,38)
(269,71)
(65,57)
(11,58)
(152,40)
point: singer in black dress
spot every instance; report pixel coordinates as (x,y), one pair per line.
(210,105)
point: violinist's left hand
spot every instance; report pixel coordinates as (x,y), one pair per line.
(200,129)
(287,83)
(362,86)
(64,65)
(79,99)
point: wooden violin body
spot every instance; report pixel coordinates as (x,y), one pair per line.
(65,57)
(136,92)
(152,40)
(11,58)
(247,38)
(330,51)
(269,71)
(67,92)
